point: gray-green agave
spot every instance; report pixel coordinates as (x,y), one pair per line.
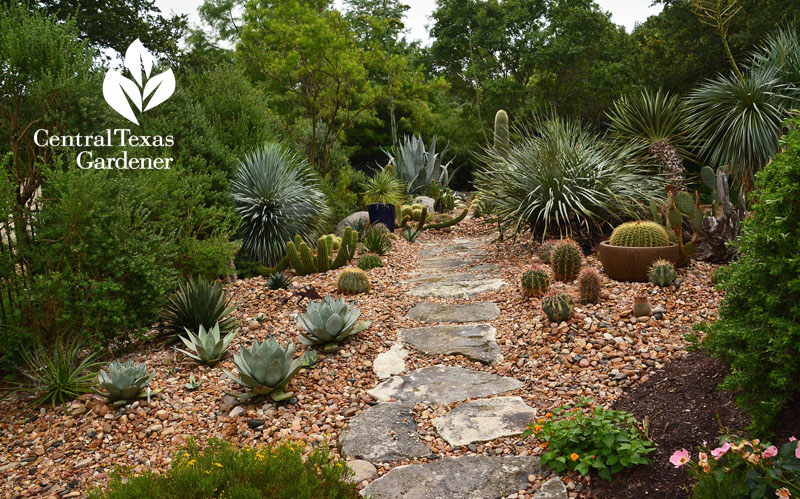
(266,368)
(125,382)
(328,322)
(207,346)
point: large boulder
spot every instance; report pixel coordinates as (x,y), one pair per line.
(425,201)
(359,216)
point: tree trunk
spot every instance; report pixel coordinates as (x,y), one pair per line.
(717,232)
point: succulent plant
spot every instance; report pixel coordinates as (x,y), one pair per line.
(478,206)
(641,306)
(266,369)
(278,280)
(558,307)
(334,240)
(328,322)
(304,261)
(535,282)
(353,281)
(125,382)
(405,211)
(193,383)
(565,260)
(374,241)
(199,303)
(589,286)
(546,250)
(207,346)
(410,234)
(369,262)
(639,235)
(662,273)
(501,142)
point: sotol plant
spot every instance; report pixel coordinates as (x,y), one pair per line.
(199,303)
(207,346)
(558,307)
(353,281)
(589,286)
(125,382)
(565,260)
(535,282)
(662,273)
(328,322)
(267,368)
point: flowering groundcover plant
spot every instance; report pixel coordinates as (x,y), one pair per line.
(748,468)
(583,437)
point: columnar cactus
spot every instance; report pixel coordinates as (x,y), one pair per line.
(535,282)
(662,273)
(558,307)
(639,235)
(565,260)
(353,281)
(304,261)
(501,140)
(589,286)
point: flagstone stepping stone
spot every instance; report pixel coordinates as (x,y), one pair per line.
(462,276)
(472,477)
(390,362)
(485,267)
(442,385)
(456,288)
(484,420)
(443,263)
(475,341)
(552,489)
(481,311)
(384,432)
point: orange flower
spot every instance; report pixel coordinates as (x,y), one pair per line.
(574,456)
(545,444)
(540,420)
(537,428)
(548,415)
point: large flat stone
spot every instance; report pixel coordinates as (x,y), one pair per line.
(444,263)
(484,420)
(475,341)
(460,276)
(390,362)
(461,312)
(442,385)
(384,432)
(456,288)
(469,477)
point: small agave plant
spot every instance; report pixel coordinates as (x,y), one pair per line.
(125,382)
(207,346)
(266,368)
(328,322)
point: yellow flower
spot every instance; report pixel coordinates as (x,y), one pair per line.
(574,456)
(219,465)
(537,428)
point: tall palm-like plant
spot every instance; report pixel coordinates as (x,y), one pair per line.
(278,196)
(781,50)
(563,175)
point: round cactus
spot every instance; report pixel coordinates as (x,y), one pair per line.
(353,281)
(662,273)
(639,235)
(545,250)
(641,306)
(416,214)
(558,307)
(369,262)
(535,282)
(589,286)
(565,260)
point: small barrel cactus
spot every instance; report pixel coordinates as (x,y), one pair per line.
(639,235)
(353,281)
(369,262)
(535,282)
(589,286)
(641,306)
(546,249)
(662,273)
(558,307)
(565,260)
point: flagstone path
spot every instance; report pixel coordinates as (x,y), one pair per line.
(387,431)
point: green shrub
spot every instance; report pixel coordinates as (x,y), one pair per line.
(584,437)
(224,470)
(758,331)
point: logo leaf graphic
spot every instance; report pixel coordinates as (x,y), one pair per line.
(115,87)
(137,58)
(162,86)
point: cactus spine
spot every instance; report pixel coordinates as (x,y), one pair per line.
(535,282)
(558,307)
(640,235)
(589,286)
(662,273)
(501,141)
(565,260)
(353,281)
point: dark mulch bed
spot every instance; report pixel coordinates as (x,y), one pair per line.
(684,408)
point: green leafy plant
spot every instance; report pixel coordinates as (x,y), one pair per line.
(266,368)
(384,188)
(565,259)
(206,346)
(54,374)
(535,281)
(558,306)
(369,262)
(589,286)
(278,280)
(584,437)
(329,322)
(200,302)
(278,196)
(418,167)
(662,273)
(193,383)
(353,281)
(743,468)
(563,176)
(375,241)
(222,469)
(125,382)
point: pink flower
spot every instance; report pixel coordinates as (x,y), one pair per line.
(792,439)
(772,451)
(680,458)
(797,451)
(783,493)
(702,458)
(720,451)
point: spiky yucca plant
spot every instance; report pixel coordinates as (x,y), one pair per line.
(278,280)
(560,173)
(267,368)
(125,382)
(207,346)
(278,196)
(328,322)
(200,302)
(384,188)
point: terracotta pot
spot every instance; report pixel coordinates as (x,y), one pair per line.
(623,263)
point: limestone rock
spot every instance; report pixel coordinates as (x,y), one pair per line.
(384,432)
(552,489)
(363,470)
(462,312)
(454,288)
(359,216)
(484,420)
(425,201)
(475,341)
(390,362)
